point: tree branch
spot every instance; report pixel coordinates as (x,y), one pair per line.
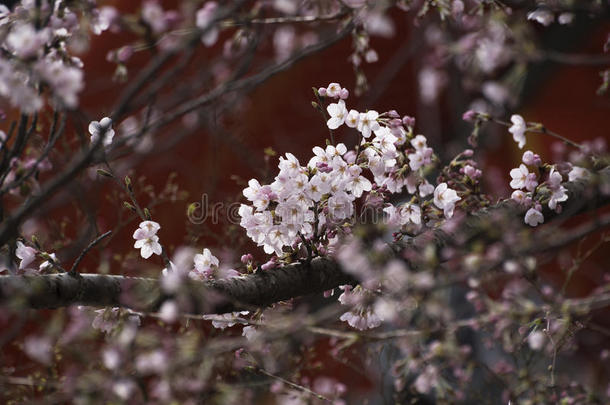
(144,294)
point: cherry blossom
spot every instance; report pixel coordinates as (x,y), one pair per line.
(97,127)
(558,192)
(361,320)
(565,18)
(519,196)
(578,173)
(411,212)
(204,18)
(531,159)
(153,14)
(333,90)
(48,264)
(146,229)
(518,129)
(338,113)
(148,246)
(104,17)
(205,264)
(39,348)
(445,199)
(367,122)
(533,217)
(26,254)
(536,340)
(25,41)
(258,195)
(352,119)
(522,178)
(66,82)
(541,16)
(147,240)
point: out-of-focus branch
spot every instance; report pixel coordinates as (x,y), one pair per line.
(575,59)
(78,163)
(250,81)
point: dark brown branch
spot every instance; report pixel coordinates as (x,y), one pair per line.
(144,294)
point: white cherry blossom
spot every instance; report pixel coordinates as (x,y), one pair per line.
(205,264)
(333,90)
(522,178)
(533,217)
(518,129)
(337,112)
(368,122)
(352,119)
(103,125)
(578,173)
(148,246)
(541,16)
(411,212)
(26,254)
(445,199)
(558,192)
(146,239)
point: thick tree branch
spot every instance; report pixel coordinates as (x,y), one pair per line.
(144,294)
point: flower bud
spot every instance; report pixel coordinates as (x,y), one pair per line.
(469,116)
(408,121)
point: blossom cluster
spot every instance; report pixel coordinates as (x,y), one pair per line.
(34,57)
(528,187)
(310,203)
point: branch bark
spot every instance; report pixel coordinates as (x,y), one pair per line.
(145,294)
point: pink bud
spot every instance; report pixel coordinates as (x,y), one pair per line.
(269,265)
(528,157)
(395,123)
(537,160)
(322,91)
(350,157)
(393,114)
(344,94)
(323,167)
(469,116)
(124,53)
(408,121)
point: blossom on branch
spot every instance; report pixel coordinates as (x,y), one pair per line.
(102,126)
(445,199)
(518,129)
(147,240)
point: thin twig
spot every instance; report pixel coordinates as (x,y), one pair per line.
(541,129)
(87,249)
(290,383)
